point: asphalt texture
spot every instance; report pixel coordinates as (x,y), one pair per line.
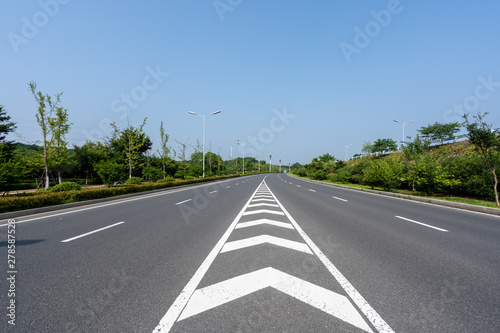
(417,267)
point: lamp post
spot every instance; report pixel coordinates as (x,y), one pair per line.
(403,123)
(270,157)
(346,146)
(289,164)
(243,144)
(204,117)
(259,161)
(280,164)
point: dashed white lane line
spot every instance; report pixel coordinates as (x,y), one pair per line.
(425,225)
(228,186)
(312,190)
(213,192)
(182,202)
(299,186)
(91,232)
(340,199)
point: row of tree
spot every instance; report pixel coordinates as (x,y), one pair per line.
(468,168)
(435,133)
(125,154)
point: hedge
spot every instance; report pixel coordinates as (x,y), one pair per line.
(41,199)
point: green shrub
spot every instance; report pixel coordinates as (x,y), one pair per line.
(167,179)
(65,186)
(133,181)
(188,177)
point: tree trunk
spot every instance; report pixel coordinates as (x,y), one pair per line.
(496,186)
(47,179)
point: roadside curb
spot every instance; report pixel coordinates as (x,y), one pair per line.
(474,208)
(33,211)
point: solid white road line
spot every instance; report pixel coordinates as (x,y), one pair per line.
(340,199)
(117,202)
(180,203)
(92,232)
(175,310)
(363,305)
(425,225)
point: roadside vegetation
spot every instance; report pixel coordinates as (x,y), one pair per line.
(124,162)
(465,171)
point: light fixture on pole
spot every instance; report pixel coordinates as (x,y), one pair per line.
(403,123)
(346,146)
(289,164)
(243,144)
(204,117)
(280,164)
(270,157)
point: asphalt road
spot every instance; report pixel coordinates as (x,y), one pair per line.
(256,254)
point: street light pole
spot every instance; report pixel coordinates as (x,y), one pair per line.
(243,144)
(259,161)
(270,157)
(204,117)
(403,123)
(280,164)
(346,146)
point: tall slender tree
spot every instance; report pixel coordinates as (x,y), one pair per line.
(164,148)
(53,129)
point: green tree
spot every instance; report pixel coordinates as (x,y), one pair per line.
(367,147)
(110,172)
(441,132)
(6,126)
(414,156)
(132,143)
(53,128)
(88,156)
(486,141)
(164,149)
(384,145)
(183,146)
(10,169)
(384,172)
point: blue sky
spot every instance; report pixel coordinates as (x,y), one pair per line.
(297,78)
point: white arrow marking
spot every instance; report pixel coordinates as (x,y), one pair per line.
(263,221)
(262,211)
(323,299)
(262,239)
(263,204)
(257,200)
(262,196)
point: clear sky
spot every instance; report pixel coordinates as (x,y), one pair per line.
(297,78)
